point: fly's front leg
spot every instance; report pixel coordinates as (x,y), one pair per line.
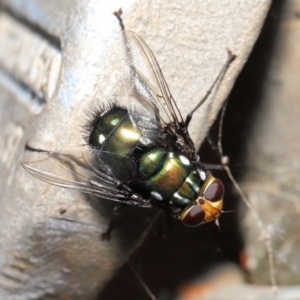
(231,58)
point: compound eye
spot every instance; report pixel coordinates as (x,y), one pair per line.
(215,191)
(194,217)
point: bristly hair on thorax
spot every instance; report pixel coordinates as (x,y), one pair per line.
(94,113)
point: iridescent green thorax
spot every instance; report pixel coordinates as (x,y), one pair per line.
(105,126)
(114,140)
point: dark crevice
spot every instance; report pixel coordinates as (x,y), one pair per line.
(37,98)
(37,30)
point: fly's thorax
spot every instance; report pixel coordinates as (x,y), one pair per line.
(170,177)
(207,206)
(113,140)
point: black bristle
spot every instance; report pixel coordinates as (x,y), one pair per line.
(95,112)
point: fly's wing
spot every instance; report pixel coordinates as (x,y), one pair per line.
(81,176)
(149,100)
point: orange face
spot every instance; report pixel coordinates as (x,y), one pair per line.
(207,206)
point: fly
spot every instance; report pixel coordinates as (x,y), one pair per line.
(144,155)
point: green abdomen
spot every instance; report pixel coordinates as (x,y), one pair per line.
(166,176)
(169,176)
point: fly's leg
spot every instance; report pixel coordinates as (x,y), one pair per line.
(29,148)
(118,15)
(224,160)
(184,126)
(220,76)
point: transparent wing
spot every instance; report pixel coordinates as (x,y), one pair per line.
(79,175)
(147,92)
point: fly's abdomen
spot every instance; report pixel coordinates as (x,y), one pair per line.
(188,191)
(114,140)
(170,177)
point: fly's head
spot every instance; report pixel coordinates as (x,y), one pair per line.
(207,206)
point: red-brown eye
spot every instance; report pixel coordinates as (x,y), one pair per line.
(194,217)
(215,191)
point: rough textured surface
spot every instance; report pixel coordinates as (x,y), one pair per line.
(272,183)
(45,254)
